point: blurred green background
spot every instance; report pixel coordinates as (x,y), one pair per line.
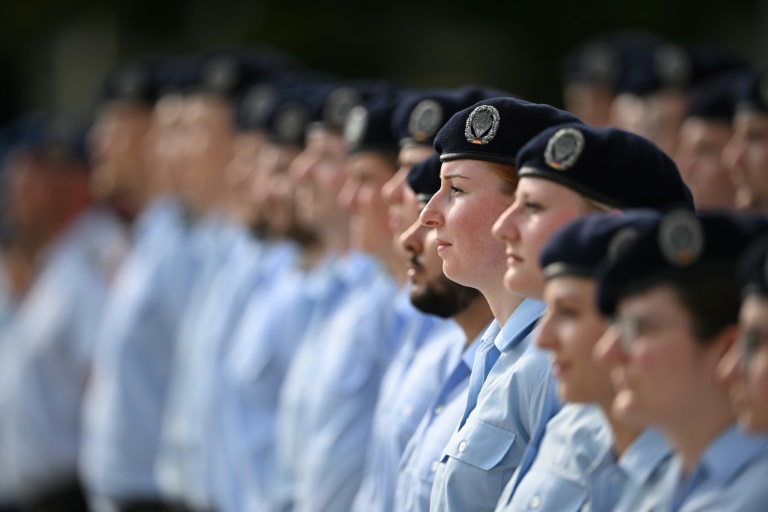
(54,52)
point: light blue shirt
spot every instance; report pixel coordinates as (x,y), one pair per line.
(48,353)
(132,362)
(346,274)
(416,472)
(264,343)
(482,455)
(635,482)
(362,338)
(187,449)
(410,383)
(730,476)
(576,439)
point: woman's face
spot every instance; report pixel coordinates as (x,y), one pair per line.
(569,331)
(541,207)
(661,373)
(745,369)
(462,212)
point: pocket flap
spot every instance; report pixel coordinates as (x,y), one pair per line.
(482,445)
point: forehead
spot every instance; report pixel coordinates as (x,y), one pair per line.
(411,155)
(748,118)
(655,300)
(568,286)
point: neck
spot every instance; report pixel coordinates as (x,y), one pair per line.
(623,434)
(501,302)
(335,238)
(474,319)
(693,432)
(397,266)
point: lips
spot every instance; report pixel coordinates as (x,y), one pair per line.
(512,258)
(442,245)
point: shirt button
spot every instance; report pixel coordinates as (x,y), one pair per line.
(462,446)
(535,502)
(435,465)
(438,409)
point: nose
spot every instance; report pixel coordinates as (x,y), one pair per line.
(412,239)
(392,191)
(729,368)
(733,157)
(504,227)
(545,336)
(431,215)
(348,196)
(608,349)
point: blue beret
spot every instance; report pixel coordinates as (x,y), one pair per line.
(495,130)
(368,126)
(340,98)
(140,81)
(424,178)
(611,166)
(420,114)
(581,246)
(684,67)
(752,92)
(752,267)
(291,110)
(680,247)
(53,136)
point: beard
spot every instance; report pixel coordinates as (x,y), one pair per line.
(442,297)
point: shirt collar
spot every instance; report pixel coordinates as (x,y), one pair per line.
(731,452)
(645,455)
(519,324)
(469,353)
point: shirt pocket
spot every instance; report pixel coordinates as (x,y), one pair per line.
(483,446)
(546,491)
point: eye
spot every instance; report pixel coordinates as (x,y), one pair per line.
(456,190)
(532,206)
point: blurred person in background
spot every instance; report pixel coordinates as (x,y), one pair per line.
(703,136)
(746,154)
(74,248)
(745,370)
(433,293)
(127,395)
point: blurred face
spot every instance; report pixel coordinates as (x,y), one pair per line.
(361,196)
(403,207)
(666,111)
(319,173)
(470,199)
(208,143)
(700,160)
(745,368)
(117,147)
(240,175)
(431,291)
(540,208)
(661,374)
(273,190)
(747,158)
(569,331)
(631,113)
(164,150)
(589,102)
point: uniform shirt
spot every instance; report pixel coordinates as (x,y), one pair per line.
(416,472)
(634,483)
(362,337)
(132,362)
(328,292)
(730,476)
(185,461)
(409,385)
(576,439)
(263,346)
(482,455)
(48,352)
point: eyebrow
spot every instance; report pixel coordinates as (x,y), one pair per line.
(454,175)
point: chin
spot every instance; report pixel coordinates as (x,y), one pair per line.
(624,408)
(455,274)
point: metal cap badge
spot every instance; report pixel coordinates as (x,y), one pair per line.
(221,74)
(681,238)
(257,103)
(290,123)
(356,125)
(564,148)
(340,102)
(620,241)
(673,65)
(425,120)
(482,125)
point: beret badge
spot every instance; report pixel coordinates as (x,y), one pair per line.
(426,119)
(620,241)
(482,125)
(290,121)
(564,148)
(356,125)
(681,238)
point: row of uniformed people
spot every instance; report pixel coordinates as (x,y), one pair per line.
(202,463)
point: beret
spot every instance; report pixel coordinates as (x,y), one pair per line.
(424,178)
(752,92)
(714,99)
(752,268)
(368,126)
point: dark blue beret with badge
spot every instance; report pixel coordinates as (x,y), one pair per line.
(611,166)
(420,114)
(682,247)
(495,130)
(341,97)
(291,110)
(751,93)
(752,268)
(139,81)
(368,126)
(57,137)
(579,248)
(424,178)
(713,99)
